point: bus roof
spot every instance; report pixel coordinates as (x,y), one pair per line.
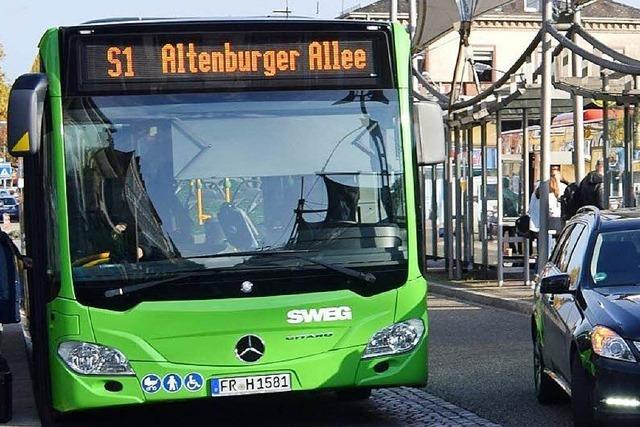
(268,18)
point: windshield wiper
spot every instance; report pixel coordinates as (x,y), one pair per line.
(366,277)
(140,286)
(284,253)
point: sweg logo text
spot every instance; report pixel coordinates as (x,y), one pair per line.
(326,314)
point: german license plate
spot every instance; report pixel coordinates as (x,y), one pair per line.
(273,383)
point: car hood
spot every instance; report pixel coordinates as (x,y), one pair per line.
(617,307)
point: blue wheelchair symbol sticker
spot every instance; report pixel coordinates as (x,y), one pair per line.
(193,381)
(150,383)
(172,383)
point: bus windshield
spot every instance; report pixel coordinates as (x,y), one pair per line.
(168,183)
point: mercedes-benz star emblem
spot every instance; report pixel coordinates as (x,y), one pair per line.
(250,348)
(246,287)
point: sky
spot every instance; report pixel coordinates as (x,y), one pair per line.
(22,22)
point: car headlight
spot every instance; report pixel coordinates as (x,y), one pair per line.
(93,359)
(397,338)
(607,343)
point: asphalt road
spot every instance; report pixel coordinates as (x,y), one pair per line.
(480,373)
(481,360)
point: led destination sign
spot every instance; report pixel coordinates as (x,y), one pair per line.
(234,60)
(191,59)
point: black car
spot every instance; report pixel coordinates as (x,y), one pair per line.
(586,321)
(10,205)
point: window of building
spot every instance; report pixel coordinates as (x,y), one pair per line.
(483,60)
(532,6)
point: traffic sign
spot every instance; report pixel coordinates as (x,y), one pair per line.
(5,171)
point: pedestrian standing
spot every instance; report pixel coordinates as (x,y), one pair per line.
(556,189)
(592,187)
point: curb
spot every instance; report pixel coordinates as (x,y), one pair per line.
(518,306)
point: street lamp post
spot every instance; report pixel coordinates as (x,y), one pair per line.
(466,9)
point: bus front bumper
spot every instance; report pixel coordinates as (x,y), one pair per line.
(336,369)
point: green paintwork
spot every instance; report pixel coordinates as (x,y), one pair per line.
(199,336)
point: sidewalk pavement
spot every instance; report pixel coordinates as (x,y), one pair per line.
(512,296)
(25,413)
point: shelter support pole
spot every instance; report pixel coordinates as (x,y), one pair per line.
(459,210)
(629,199)
(470,214)
(578,113)
(500,204)
(435,232)
(449,187)
(606,145)
(525,189)
(483,197)
(545,140)
(393,12)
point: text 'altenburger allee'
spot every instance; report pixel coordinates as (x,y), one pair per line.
(321,56)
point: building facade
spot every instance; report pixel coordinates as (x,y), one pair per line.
(499,37)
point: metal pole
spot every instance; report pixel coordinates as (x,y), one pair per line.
(434,209)
(500,192)
(448,206)
(470,213)
(605,150)
(578,113)
(545,140)
(413,17)
(459,209)
(483,196)
(629,199)
(635,126)
(526,175)
(393,13)
(525,188)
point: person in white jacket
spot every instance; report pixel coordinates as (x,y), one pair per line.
(556,189)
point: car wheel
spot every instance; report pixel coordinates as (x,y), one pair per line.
(581,395)
(354,394)
(547,390)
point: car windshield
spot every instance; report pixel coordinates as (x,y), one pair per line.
(160,183)
(616,259)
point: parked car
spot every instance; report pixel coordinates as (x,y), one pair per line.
(586,321)
(10,206)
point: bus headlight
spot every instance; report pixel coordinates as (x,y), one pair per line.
(94,359)
(395,339)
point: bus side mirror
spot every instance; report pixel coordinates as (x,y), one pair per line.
(9,281)
(24,117)
(428,127)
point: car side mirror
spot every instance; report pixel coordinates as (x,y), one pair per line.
(429,130)
(9,282)
(24,116)
(556,284)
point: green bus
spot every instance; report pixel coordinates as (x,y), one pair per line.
(219,207)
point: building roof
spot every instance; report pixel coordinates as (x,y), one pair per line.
(599,9)
(382,6)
